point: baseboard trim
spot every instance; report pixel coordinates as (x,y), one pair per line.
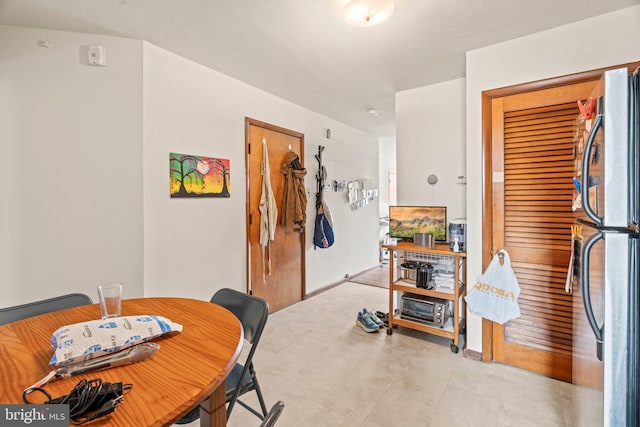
(326,288)
(361,273)
(472,354)
(338,283)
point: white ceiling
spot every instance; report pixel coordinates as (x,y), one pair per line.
(302,51)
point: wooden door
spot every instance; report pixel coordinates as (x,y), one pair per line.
(285,284)
(532,169)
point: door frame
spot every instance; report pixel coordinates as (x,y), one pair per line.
(487,214)
(248,121)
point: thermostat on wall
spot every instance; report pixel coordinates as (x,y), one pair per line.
(97,55)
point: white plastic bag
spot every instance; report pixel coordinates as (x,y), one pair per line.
(495,295)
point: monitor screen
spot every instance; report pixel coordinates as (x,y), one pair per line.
(405,221)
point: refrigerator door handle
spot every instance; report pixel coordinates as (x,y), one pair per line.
(584,289)
(584,187)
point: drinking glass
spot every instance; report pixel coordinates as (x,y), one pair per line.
(110,295)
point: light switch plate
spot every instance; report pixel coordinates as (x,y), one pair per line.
(97,55)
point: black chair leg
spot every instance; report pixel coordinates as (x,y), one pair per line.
(255,386)
(259,393)
(250,409)
(232,402)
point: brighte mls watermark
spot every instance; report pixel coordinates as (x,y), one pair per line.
(34,415)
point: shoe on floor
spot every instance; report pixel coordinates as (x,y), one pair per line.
(366,323)
(384,317)
(373,317)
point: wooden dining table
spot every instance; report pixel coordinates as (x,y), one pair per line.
(188,370)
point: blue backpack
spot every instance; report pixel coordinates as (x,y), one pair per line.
(323,233)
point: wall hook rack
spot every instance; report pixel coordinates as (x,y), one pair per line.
(321,177)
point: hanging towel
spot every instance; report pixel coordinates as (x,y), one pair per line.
(268,212)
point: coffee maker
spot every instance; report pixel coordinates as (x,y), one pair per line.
(458,230)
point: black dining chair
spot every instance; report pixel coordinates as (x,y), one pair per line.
(19,312)
(252,313)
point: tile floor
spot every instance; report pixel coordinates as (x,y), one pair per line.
(376,276)
(329,372)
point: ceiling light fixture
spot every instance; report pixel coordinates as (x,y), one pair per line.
(367,13)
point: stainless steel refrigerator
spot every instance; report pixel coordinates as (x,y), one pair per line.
(605,298)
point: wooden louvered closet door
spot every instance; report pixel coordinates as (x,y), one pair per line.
(532,170)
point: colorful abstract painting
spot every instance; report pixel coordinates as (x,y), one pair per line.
(198,176)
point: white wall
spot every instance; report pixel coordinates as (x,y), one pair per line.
(193,247)
(347,156)
(430,123)
(602,41)
(387,163)
(84,172)
(70,165)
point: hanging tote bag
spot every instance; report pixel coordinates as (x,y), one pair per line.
(323,232)
(495,295)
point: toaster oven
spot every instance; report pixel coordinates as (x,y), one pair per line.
(425,309)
